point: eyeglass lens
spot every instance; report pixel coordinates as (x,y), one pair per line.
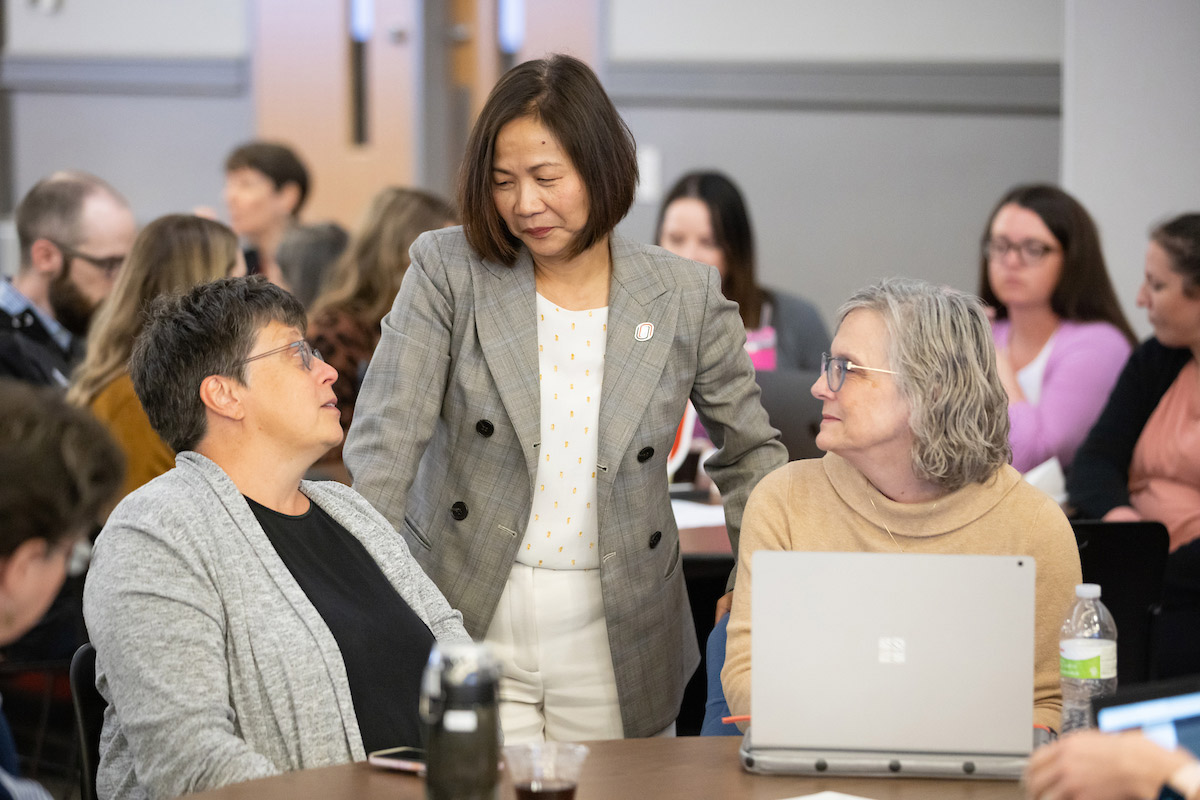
(308,353)
(835,371)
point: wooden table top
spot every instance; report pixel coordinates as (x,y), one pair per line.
(708,541)
(691,768)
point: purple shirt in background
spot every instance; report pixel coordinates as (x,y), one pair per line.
(1085,360)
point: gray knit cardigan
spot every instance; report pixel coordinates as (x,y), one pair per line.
(215,665)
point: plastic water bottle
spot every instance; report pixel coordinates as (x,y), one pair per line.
(1087,650)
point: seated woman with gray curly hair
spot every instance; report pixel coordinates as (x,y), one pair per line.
(915,425)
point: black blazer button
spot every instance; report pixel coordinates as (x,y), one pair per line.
(645,454)
(459,511)
(655,538)
(485,427)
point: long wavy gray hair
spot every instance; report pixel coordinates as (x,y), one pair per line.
(941,345)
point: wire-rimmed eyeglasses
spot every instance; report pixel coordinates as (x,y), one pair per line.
(835,370)
(306,350)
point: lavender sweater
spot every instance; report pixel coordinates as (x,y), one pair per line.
(1085,360)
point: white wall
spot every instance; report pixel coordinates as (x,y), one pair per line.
(148,94)
(851,181)
(129,28)
(845,30)
(1131,123)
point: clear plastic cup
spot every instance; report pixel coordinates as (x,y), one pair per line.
(545,770)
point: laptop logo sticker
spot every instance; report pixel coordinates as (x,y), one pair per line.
(891,650)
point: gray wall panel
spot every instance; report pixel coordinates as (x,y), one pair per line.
(202,76)
(840,198)
(1131,113)
(164,152)
(988,88)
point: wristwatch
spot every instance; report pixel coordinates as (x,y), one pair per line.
(1186,781)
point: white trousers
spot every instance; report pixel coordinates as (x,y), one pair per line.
(557,680)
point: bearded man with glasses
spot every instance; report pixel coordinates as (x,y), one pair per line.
(74,232)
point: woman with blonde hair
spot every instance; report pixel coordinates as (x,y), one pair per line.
(171,255)
(345,317)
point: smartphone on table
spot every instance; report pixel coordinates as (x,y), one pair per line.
(404,759)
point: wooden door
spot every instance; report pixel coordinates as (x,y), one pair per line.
(305,96)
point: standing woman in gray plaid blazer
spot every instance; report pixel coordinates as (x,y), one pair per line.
(515,421)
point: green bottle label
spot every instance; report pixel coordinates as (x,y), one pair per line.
(1087,659)
(1087,668)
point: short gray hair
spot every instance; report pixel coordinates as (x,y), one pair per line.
(209,330)
(942,349)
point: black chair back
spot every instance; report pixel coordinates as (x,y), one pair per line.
(1128,560)
(89,717)
(792,409)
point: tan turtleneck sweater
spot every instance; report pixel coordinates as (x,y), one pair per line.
(825,505)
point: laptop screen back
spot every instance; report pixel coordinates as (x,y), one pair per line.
(892,652)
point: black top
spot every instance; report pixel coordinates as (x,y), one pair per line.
(1099,477)
(29,353)
(384,643)
(253,267)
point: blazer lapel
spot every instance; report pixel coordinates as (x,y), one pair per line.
(633,363)
(506,321)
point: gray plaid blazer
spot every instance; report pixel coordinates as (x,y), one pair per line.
(447,426)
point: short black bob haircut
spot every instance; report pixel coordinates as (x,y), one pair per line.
(565,95)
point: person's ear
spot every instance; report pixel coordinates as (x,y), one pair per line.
(289,197)
(45,257)
(16,569)
(222,396)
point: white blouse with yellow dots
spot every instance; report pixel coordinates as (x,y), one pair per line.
(562,523)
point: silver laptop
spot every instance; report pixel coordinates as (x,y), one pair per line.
(891,664)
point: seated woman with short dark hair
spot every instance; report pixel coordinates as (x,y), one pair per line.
(915,425)
(247,622)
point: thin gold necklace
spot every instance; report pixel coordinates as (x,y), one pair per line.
(885,527)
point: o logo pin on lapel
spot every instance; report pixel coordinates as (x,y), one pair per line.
(644,332)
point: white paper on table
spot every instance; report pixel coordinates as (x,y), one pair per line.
(828,796)
(697,515)
(1048,476)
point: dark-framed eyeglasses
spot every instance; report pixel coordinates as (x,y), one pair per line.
(109,266)
(835,370)
(307,353)
(1030,251)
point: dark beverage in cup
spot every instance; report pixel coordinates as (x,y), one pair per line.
(545,770)
(545,790)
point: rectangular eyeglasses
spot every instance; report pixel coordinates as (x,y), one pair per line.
(835,370)
(307,353)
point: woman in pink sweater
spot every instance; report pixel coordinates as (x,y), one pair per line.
(1061,338)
